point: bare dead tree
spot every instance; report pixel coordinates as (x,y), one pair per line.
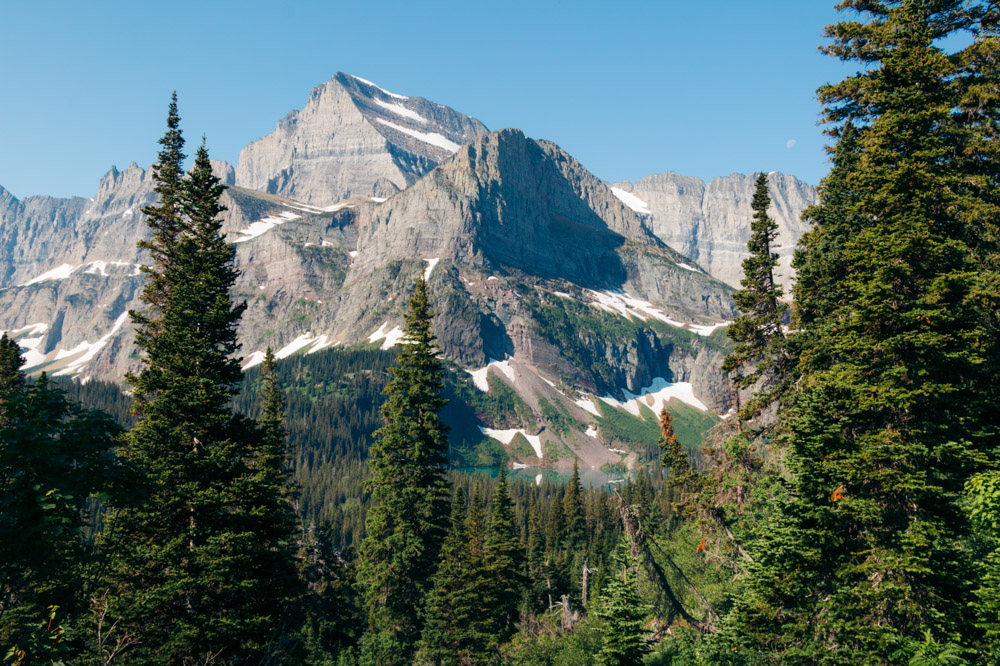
(125,640)
(642,549)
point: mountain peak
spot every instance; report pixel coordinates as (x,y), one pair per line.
(353,138)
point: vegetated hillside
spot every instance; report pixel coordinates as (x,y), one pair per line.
(333,401)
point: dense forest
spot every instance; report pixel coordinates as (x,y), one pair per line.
(310,511)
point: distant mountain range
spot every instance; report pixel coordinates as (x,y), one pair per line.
(579,296)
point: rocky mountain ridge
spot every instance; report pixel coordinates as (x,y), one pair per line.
(545,279)
(353,139)
(710,222)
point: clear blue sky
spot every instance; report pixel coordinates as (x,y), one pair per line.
(629,88)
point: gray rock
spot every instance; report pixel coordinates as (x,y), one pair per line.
(710,223)
(353,139)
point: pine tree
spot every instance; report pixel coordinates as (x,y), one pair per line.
(406,524)
(573,513)
(193,574)
(11,379)
(621,614)
(503,564)
(165,222)
(452,605)
(888,424)
(54,457)
(333,618)
(758,340)
(535,558)
(674,459)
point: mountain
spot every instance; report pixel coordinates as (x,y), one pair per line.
(353,139)
(543,281)
(569,312)
(710,222)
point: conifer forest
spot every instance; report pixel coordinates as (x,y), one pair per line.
(340,509)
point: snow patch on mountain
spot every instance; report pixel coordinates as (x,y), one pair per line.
(264,225)
(390,339)
(58,273)
(621,303)
(375,85)
(400,111)
(433,138)
(505,437)
(101,267)
(85,352)
(655,396)
(431,263)
(588,404)
(253,359)
(632,201)
(479,377)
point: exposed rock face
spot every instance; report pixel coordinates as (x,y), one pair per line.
(710,223)
(529,257)
(512,231)
(353,139)
(518,231)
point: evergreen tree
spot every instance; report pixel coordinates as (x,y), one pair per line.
(333,619)
(573,513)
(54,457)
(537,589)
(621,614)
(758,340)
(198,568)
(682,476)
(452,604)
(503,563)
(165,221)
(11,379)
(892,417)
(406,524)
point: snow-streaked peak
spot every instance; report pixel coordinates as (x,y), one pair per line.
(401,111)
(375,85)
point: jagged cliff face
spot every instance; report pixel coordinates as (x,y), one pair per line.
(506,229)
(710,222)
(353,139)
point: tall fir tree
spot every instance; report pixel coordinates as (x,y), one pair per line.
(165,221)
(537,588)
(621,613)
(190,575)
(573,513)
(869,561)
(758,357)
(503,563)
(452,606)
(408,518)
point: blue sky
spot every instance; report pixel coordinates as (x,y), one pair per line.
(628,88)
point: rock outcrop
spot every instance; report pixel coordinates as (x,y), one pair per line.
(710,222)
